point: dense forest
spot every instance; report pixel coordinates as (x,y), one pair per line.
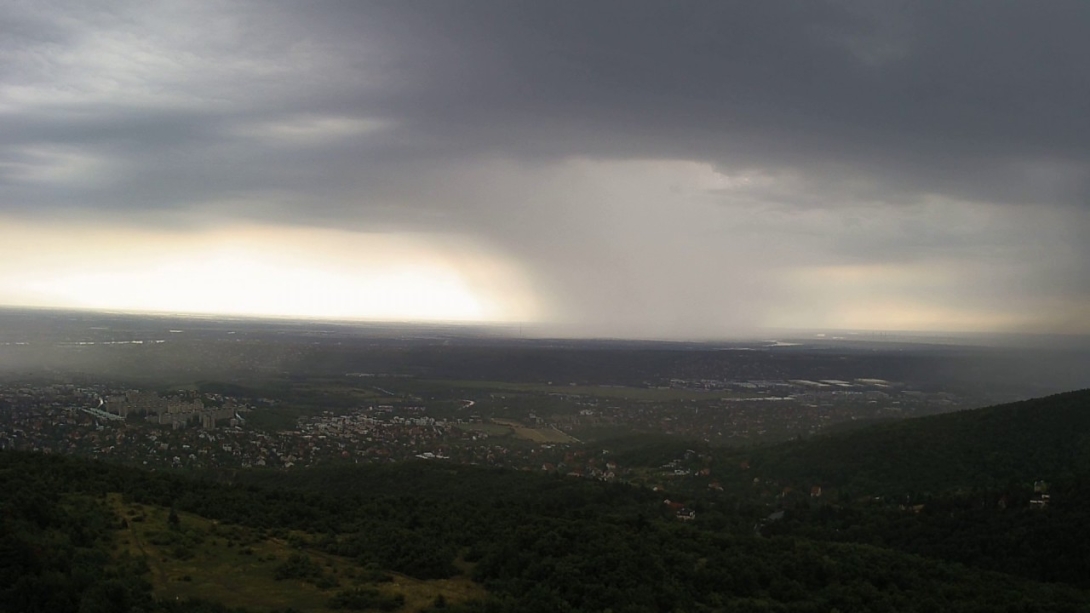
(1043,438)
(948,527)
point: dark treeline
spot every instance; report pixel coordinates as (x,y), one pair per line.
(538,544)
(1044,438)
(925,515)
(992,530)
(56,542)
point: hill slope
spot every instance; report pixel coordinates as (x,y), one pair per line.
(591,554)
(1045,438)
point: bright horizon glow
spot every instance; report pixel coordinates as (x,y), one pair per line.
(252,270)
(246,285)
(261,271)
(890,298)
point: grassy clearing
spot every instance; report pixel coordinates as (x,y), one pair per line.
(602,432)
(238,566)
(537,435)
(280,417)
(338,389)
(493,430)
(508,427)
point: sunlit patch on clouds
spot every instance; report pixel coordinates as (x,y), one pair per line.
(167,57)
(310,130)
(903,296)
(54,165)
(262,271)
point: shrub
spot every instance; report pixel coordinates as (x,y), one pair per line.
(298,566)
(363,598)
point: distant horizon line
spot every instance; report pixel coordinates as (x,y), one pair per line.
(560,331)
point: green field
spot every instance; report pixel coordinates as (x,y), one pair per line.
(510,427)
(494,430)
(640,394)
(537,435)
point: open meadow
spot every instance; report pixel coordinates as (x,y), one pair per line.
(194,557)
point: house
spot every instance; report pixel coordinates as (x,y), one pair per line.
(776,516)
(815,491)
(686,514)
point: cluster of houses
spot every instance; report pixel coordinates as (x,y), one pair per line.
(176,410)
(680,511)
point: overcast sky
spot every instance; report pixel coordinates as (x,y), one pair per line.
(645,169)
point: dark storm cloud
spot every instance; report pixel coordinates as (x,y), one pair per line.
(634,155)
(981,101)
(974,101)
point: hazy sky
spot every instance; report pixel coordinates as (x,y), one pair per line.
(629,168)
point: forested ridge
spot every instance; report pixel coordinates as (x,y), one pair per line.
(549,543)
(1042,438)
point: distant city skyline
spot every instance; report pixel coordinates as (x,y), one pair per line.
(609,169)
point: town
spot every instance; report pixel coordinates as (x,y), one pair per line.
(570,431)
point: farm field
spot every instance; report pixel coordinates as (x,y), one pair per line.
(491,429)
(510,428)
(644,394)
(537,435)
